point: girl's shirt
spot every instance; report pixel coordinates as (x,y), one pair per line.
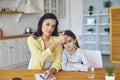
(79,59)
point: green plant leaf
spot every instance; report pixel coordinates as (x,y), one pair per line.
(109,70)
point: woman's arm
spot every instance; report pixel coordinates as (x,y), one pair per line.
(57,58)
(37,50)
(60,39)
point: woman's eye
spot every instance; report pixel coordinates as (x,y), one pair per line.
(69,41)
(53,26)
(64,43)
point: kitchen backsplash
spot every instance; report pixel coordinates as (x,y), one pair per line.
(10,26)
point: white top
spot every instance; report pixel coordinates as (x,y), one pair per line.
(48,63)
(79,58)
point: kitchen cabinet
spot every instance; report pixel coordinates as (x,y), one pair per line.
(55,6)
(4,55)
(13,53)
(25,53)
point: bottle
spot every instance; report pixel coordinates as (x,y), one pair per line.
(1,32)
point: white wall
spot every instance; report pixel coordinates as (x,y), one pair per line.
(72,20)
(11,27)
(76,16)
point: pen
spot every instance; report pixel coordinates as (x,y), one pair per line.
(42,77)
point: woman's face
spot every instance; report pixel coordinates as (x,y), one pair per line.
(48,27)
(70,43)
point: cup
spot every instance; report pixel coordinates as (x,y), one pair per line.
(91,69)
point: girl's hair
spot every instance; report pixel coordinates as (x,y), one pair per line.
(71,34)
(42,19)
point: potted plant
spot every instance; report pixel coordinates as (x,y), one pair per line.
(90,30)
(90,9)
(107,4)
(109,73)
(107,30)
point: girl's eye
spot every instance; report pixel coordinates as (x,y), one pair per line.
(47,24)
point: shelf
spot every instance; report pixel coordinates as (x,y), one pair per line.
(105,52)
(90,24)
(99,39)
(14,36)
(104,24)
(90,42)
(105,43)
(87,15)
(105,34)
(89,33)
(11,12)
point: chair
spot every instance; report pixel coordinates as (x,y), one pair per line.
(30,64)
(94,56)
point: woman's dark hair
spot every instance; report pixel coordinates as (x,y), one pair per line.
(71,34)
(42,19)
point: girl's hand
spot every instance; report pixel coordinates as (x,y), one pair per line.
(70,63)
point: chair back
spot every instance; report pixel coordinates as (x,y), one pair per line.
(94,56)
(30,64)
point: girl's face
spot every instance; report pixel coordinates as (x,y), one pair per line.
(70,43)
(48,27)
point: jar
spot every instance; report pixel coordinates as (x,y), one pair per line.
(1,32)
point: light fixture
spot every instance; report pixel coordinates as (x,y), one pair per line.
(30,8)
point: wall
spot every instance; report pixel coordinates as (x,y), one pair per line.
(72,20)
(76,16)
(10,26)
(98,5)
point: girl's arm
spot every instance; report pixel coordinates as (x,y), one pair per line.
(82,66)
(64,63)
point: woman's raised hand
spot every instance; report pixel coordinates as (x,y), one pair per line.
(62,38)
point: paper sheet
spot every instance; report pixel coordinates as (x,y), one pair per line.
(42,77)
(39,76)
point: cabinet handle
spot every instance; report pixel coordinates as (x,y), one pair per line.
(16,41)
(28,52)
(10,47)
(4,42)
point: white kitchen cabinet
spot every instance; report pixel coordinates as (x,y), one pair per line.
(55,6)
(14,50)
(4,55)
(25,53)
(13,53)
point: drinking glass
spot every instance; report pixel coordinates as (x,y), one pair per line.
(91,69)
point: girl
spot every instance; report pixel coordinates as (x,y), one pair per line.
(73,58)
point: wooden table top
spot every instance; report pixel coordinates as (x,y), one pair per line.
(62,75)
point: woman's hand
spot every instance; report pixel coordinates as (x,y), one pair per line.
(49,74)
(62,38)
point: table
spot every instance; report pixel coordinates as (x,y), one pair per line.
(62,75)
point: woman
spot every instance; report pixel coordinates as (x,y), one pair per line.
(45,46)
(73,57)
